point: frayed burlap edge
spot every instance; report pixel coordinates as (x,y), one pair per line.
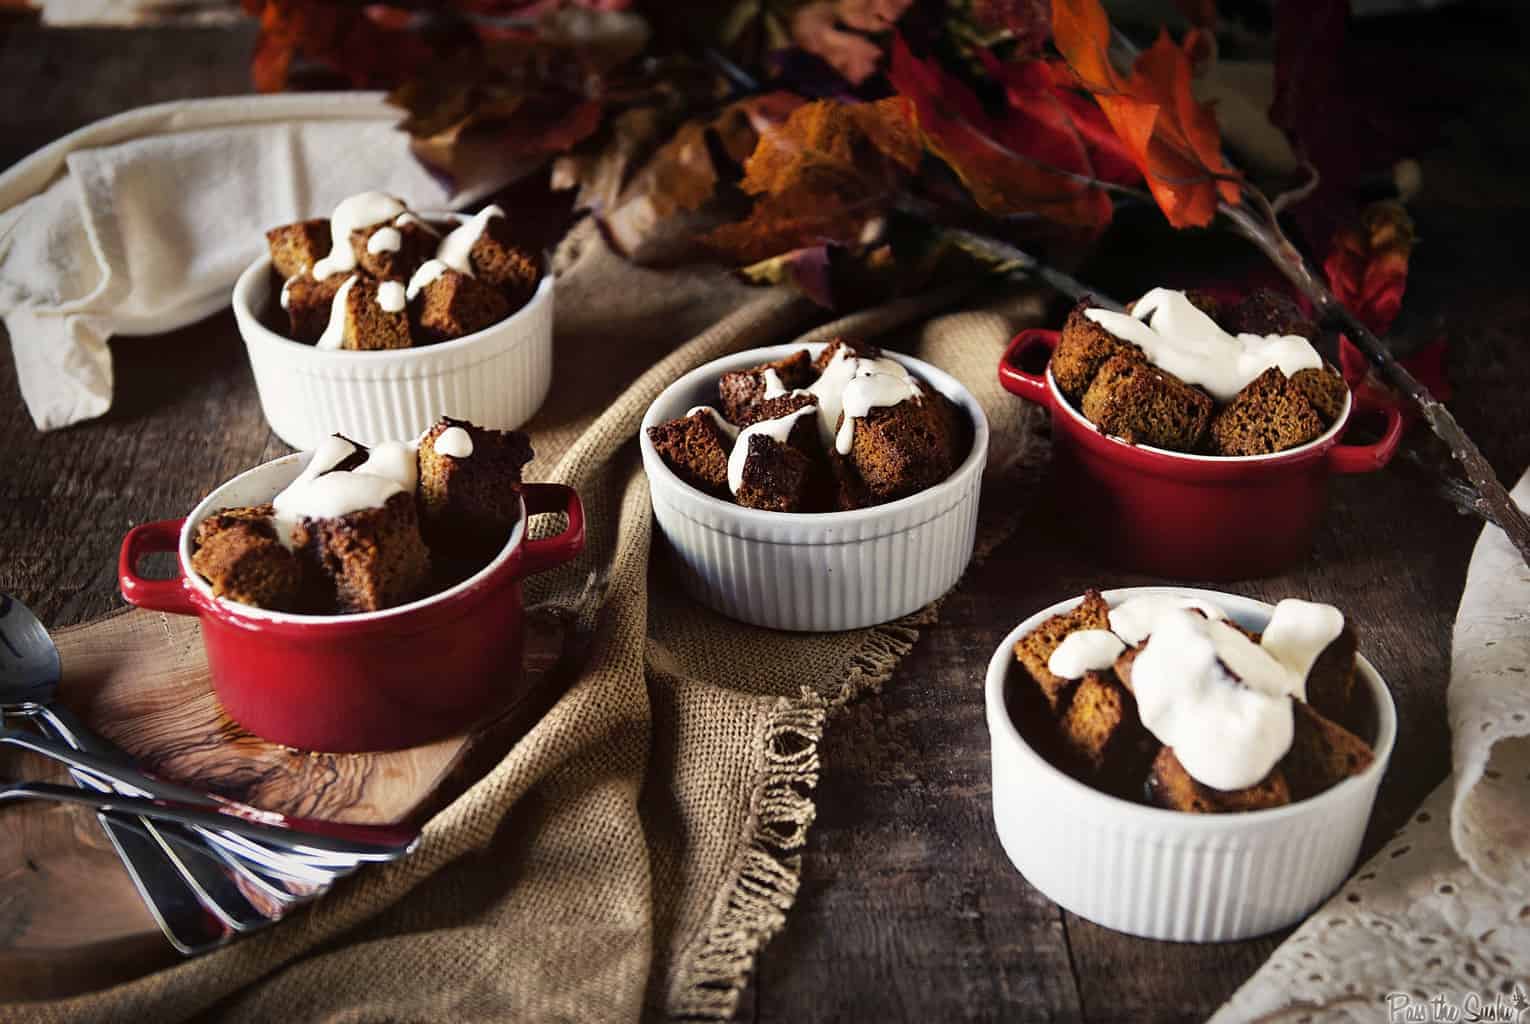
(766,873)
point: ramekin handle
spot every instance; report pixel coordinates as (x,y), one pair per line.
(550,552)
(1367,458)
(1032,386)
(156,595)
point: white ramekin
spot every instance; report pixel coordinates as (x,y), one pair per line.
(497,377)
(1167,874)
(815,572)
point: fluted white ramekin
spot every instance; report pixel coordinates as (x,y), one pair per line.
(1167,874)
(496,377)
(824,571)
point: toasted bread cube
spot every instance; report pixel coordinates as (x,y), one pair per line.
(1267,312)
(1332,682)
(742,392)
(472,501)
(454,305)
(295,248)
(696,449)
(1268,415)
(369,325)
(1123,666)
(904,448)
(1035,649)
(779,477)
(393,251)
(847,490)
(239,555)
(1137,402)
(374,558)
(1103,740)
(1324,390)
(308,303)
(857,349)
(1083,347)
(498,261)
(1323,754)
(1170,786)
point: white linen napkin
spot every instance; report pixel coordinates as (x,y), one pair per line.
(140,223)
(1437,925)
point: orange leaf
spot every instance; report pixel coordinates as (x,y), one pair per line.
(821,177)
(1367,267)
(1035,160)
(1172,137)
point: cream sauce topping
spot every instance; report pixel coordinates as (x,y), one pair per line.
(385,240)
(834,390)
(1136,617)
(1085,650)
(334,332)
(362,210)
(454,442)
(390,296)
(425,276)
(1298,633)
(456,247)
(1184,341)
(728,430)
(777,430)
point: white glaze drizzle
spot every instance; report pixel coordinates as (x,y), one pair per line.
(1135,618)
(454,442)
(424,277)
(868,391)
(1298,633)
(774,388)
(408,218)
(353,214)
(456,247)
(385,240)
(1227,735)
(833,385)
(1184,341)
(390,469)
(334,332)
(778,430)
(286,291)
(1085,650)
(391,297)
(728,430)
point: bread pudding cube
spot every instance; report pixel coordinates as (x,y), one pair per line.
(1139,403)
(1082,348)
(469,484)
(374,558)
(1265,312)
(453,305)
(295,248)
(777,477)
(1323,389)
(1269,415)
(696,448)
(238,553)
(1171,786)
(308,304)
(854,349)
(1034,650)
(372,316)
(742,393)
(498,261)
(900,449)
(1323,753)
(1103,739)
(394,250)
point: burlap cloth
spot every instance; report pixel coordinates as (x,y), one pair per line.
(638,847)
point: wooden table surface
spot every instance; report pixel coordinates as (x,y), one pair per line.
(909,909)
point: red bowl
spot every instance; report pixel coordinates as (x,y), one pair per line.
(370,681)
(1208,517)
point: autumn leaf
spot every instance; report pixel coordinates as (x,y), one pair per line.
(821,177)
(1172,138)
(1367,264)
(1036,159)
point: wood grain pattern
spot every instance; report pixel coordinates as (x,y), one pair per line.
(70,918)
(909,910)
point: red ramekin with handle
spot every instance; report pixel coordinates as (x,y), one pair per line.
(382,680)
(1184,516)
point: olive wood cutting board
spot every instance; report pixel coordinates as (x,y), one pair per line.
(70,919)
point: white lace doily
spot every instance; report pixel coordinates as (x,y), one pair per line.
(1437,925)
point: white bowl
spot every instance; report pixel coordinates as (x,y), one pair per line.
(1167,874)
(823,571)
(496,377)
